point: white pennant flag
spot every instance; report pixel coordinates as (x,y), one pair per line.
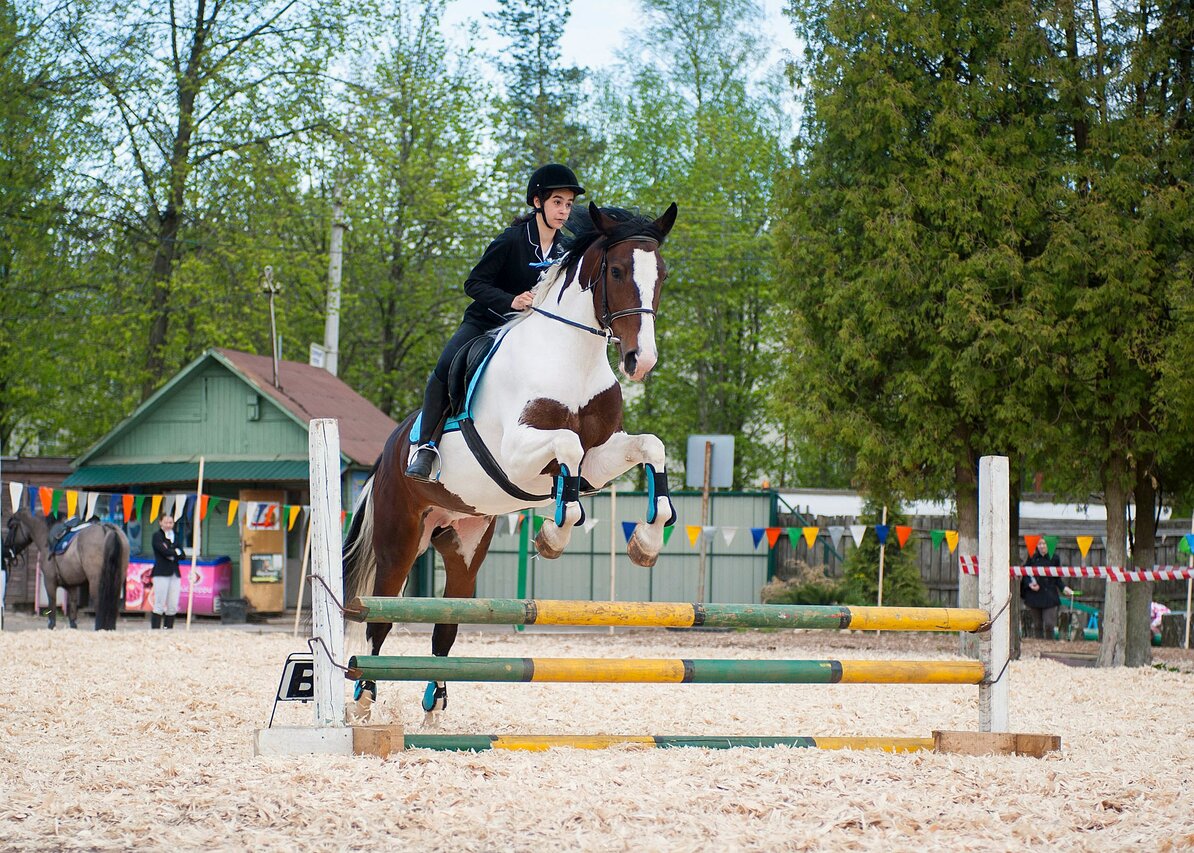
(180,504)
(590,523)
(728,534)
(92,500)
(511,522)
(857,531)
(835,535)
(1103,538)
(15,490)
(708,532)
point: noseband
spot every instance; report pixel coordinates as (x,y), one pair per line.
(607,317)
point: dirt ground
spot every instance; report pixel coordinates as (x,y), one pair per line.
(140,739)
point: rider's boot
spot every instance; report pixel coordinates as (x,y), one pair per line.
(155,620)
(431,426)
(169,620)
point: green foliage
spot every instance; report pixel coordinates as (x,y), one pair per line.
(806,586)
(902,584)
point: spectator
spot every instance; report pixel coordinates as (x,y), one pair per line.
(1042,595)
(167,580)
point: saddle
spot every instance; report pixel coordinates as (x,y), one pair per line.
(468,365)
(62,533)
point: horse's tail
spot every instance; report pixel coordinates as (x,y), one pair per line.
(360,563)
(109,583)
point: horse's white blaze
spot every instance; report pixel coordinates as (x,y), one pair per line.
(646,272)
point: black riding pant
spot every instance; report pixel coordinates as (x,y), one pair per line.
(435,398)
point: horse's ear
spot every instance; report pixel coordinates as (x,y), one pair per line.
(601,222)
(665,222)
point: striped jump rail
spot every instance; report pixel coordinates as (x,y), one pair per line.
(512,611)
(661,670)
(542,743)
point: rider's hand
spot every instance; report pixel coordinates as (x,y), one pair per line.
(523,301)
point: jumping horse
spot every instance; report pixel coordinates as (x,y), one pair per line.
(97,556)
(543,426)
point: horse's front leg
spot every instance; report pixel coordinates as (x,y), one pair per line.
(534,450)
(73,594)
(618,455)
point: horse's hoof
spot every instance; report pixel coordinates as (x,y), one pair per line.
(74,624)
(546,551)
(431,719)
(357,713)
(638,556)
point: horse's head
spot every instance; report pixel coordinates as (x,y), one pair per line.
(625,272)
(17,538)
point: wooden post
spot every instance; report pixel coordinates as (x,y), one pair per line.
(994,589)
(298,609)
(327,621)
(702,556)
(196,540)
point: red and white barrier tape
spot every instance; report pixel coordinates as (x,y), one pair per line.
(968,564)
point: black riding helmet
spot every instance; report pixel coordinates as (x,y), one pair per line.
(553,176)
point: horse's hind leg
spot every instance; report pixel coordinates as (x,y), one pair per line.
(463,547)
(72,605)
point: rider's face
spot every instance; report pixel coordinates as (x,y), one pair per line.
(557,208)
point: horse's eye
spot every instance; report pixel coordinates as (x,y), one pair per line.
(616,272)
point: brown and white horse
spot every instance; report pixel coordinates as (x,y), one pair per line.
(548,410)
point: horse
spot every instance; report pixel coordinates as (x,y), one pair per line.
(547,411)
(97,556)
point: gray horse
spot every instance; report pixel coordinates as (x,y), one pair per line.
(97,556)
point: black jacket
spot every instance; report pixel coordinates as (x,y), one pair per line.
(505,271)
(1049,594)
(165,556)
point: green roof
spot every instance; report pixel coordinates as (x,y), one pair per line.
(146,473)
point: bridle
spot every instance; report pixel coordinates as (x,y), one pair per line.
(607,317)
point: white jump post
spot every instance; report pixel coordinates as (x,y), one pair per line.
(994,589)
(330,735)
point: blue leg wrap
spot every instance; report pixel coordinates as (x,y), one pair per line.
(361,686)
(657,488)
(567,491)
(436,691)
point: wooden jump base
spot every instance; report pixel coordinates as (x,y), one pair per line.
(662,671)
(512,611)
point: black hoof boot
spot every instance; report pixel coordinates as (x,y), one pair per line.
(423,464)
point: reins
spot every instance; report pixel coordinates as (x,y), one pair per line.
(607,317)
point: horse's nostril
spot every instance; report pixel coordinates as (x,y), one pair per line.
(630,361)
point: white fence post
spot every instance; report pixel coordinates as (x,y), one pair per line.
(327,620)
(994,589)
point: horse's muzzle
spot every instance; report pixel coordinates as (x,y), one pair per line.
(636,366)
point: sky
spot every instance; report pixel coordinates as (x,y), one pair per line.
(597,28)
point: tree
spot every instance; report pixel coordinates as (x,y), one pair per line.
(902,584)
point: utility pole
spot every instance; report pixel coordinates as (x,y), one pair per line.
(268,285)
(331,328)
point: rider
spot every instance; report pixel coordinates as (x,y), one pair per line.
(499,285)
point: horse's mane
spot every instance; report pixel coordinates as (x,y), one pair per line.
(585,233)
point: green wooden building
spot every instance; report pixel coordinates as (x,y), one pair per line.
(250,428)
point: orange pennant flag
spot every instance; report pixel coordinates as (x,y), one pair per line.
(46,495)
(810,534)
(1031,541)
(154,506)
(203,499)
(693,531)
(126,502)
(773,534)
(232,505)
(72,503)
(951,539)
(1084,543)
(902,533)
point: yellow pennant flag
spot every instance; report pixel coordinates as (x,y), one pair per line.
(294,511)
(810,534)
(1084,543)
(72,503)
(154,506)
(951,539)
(232,507)
(693,531)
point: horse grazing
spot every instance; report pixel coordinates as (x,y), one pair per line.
(97,556)
(548,410)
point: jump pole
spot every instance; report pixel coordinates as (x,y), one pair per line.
(329,735)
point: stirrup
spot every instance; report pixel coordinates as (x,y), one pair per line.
(416,471)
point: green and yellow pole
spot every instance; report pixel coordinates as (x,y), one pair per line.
(662,670)
(539,743)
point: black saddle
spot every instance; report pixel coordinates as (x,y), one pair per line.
(464,366)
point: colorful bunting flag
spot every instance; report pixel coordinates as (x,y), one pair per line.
(15,490)
(836,531)
(1030,541)
(693,531)
(881,531)
(937,536)
(539,519)
(1189,540)
(92,499)
(114,506)
(1051,542)
(126,506)
(155,506)
(628,530)
(46,496)
(1084,543)
(72,502)
(810,535)
(951,539)
(56,499)
(667,533)
(35,501)
(773,535)
(756,533)
(903,531)
(1183,545)
(294,514)
(138,502)
(857,531)
(728,534)
(203,500)
(590,523)
(232,507)
(794,536)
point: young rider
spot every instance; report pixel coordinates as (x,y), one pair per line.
(499,284)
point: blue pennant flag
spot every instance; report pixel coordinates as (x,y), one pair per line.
(34,501)
(756,533)
(628,530)
(881,531)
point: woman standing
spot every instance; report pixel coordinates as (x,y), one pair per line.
(167,580)
(499,284)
